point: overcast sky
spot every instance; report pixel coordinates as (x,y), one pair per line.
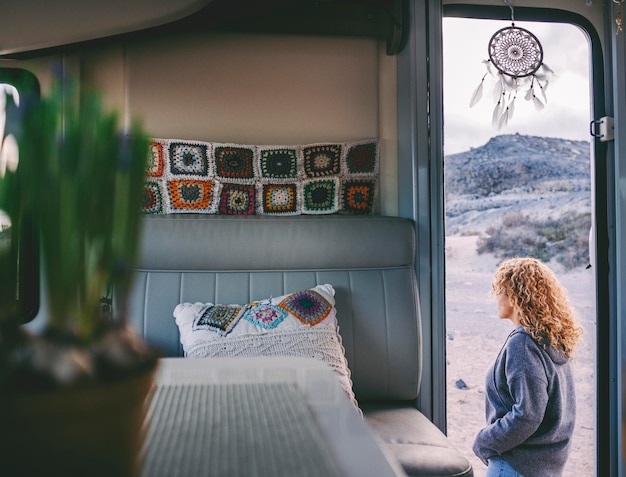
(567,112)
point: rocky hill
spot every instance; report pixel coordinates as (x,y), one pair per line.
(519,188)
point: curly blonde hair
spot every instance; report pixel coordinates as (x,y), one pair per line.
(541,302)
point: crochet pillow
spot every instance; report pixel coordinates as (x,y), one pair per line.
(303,323)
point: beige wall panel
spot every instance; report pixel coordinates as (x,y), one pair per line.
(104,70)
(256,89)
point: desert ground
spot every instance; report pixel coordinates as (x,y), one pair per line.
(475,335)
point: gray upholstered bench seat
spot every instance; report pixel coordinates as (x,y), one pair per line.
(421,448)
(370,262)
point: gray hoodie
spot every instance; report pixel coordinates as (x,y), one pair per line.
(530,406)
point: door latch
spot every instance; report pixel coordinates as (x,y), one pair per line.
(602,128)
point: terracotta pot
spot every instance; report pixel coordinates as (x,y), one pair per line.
(93,430)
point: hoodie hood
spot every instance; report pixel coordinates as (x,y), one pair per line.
(556,356)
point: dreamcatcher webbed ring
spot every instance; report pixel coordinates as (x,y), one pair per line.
(515,52)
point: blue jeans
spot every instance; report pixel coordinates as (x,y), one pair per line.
(498,467)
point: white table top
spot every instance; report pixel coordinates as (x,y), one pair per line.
(340,429)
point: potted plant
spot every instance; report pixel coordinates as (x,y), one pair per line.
(73,396)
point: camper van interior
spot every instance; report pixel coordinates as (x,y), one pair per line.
(296,166)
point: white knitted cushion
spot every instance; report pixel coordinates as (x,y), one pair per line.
(303,324)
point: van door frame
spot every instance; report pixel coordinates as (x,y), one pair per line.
(615,182)
(420,184)
(420,194)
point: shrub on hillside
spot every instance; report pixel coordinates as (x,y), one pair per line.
(565,239)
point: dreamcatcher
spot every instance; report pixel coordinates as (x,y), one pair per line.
(516,62)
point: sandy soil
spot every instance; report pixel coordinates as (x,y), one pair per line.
(475,335)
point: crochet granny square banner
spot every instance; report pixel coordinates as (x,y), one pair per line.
(189,176)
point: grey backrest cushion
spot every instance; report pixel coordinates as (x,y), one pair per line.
(369,260)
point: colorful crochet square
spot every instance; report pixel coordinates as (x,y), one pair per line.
(237,199)
(320,197)
(362,158)
(322,160)
(358,196)
(189,158)
(265,315)
(156,159)
(279,199)
(218,318)
(279,163)
(152,201)
(308,306)
(190,195)
(234,162)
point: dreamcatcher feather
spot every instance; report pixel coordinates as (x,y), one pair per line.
(516,63)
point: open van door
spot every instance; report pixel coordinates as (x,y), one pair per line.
(420,198)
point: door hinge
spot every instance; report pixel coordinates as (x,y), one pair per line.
(602,128)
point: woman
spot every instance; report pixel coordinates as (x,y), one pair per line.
(530,402)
